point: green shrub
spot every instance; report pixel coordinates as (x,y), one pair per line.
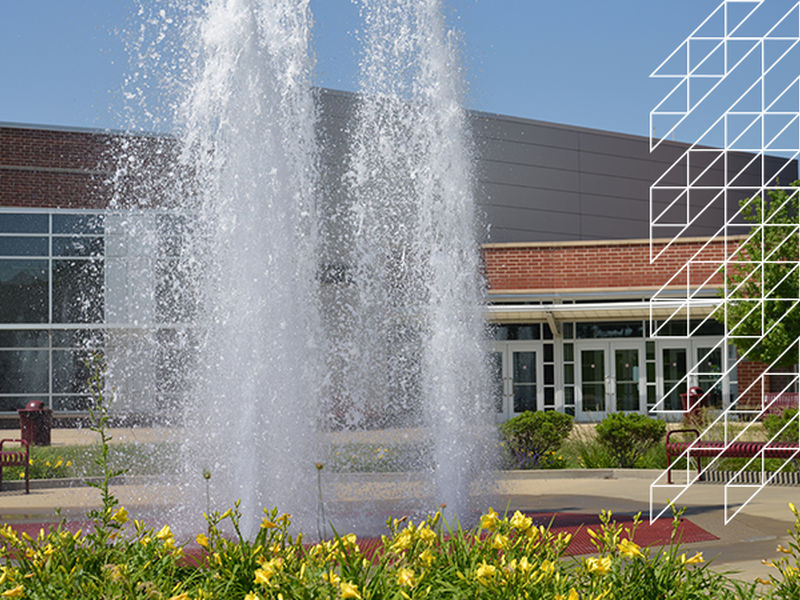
(774,423)
(532,434)
(627,436)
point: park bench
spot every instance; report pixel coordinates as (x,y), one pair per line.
(15,458)
(710,449)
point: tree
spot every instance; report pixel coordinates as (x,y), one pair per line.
(765,274)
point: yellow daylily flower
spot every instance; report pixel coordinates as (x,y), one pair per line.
(489,520)
(405,577)
(524,565)
(349,590)
(520,521)
(267,524)
(332,578)
(694,560)
(485,572)
(629,549)
(202,540)
(427,557)
(17,592)
(499,541)
(599,565)
(781,548)
(547,567)
(427,535)
(120,515)
(572,595)
(402,542)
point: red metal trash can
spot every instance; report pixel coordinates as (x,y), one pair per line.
(693,398)
(35,423)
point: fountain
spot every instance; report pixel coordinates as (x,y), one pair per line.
(327,311)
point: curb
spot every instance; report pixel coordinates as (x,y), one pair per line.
(18,485)
(745,478)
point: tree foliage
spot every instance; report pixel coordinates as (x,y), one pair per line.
(764,282)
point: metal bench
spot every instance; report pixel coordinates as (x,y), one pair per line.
(732,450)
(15,458)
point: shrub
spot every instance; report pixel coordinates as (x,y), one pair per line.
(774,423)
(627,436)
(532,434)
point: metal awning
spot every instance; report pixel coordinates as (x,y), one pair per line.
(602,311)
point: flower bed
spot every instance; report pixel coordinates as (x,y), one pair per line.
(501,557)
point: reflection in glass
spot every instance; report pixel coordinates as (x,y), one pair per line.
(627,377)
(23,223)
(23,372)
(23,246)
(77,291)
(78,338)
(709,378)
(593,387)
(78,246)
(79,223)
(23,291)
(524,374)
(70,373)
(24,338)
(72,403)
(674,365)
(13,403)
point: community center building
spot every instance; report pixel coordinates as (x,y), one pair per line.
(567,259)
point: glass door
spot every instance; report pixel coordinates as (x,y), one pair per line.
(525,380)
(518,378)
(593,384)
(673,369)
(627,376)
(611,378)
(708,359)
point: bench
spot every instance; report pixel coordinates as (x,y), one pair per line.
(732,450)
(15,458)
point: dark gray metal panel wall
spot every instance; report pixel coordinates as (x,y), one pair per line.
(540,181)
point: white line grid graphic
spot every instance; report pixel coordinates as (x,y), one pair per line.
(745,50)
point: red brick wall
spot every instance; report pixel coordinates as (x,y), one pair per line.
(595,265)
(73,169)
(746,374)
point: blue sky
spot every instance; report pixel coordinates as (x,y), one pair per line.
(582,62)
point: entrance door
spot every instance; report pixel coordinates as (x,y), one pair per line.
(519,366)
(610,378)
(703,357)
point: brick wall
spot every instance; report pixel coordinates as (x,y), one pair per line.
(580,265)
(746,374)
(47,168)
